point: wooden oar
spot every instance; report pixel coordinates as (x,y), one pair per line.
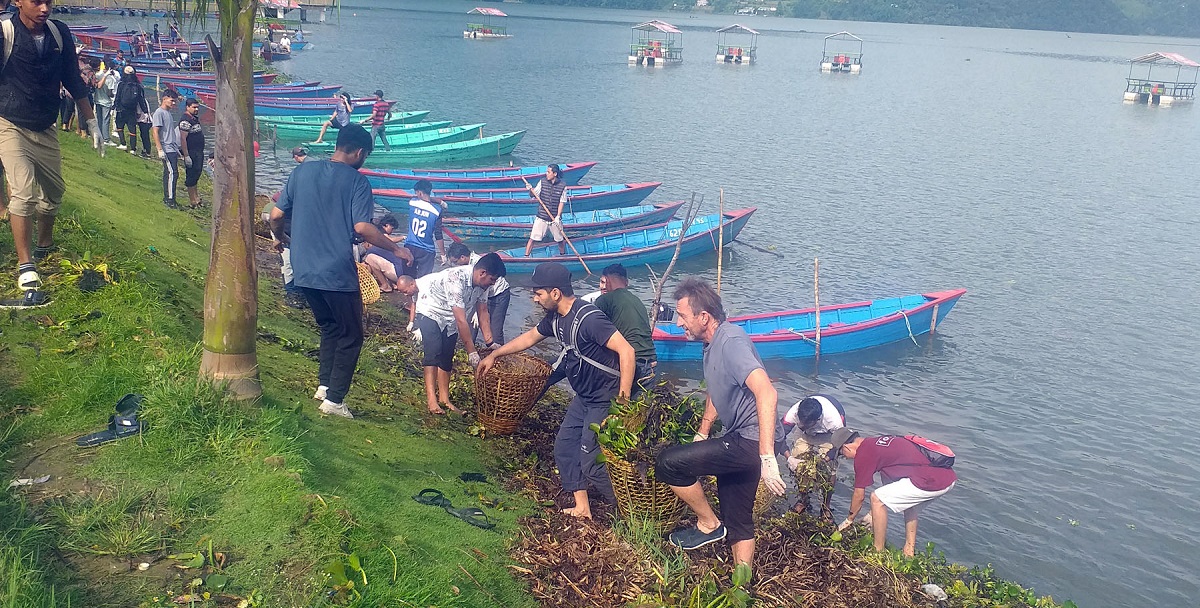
(563,229)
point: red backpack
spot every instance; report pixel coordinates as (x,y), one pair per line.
(939,455)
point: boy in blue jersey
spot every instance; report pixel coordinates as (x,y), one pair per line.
(425,240)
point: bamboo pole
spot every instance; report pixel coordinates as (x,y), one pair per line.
(817,302)
(720,238)
(690,214)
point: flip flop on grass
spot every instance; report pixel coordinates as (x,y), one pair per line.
(474,516)
(433,498)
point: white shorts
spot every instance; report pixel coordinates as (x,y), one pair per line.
(900,496)
(539,230)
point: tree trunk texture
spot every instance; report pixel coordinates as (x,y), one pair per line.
(231,288)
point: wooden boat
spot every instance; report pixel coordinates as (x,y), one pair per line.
(516,201)
(309,132)
(634,247)
(516,227)
(844,327)
(279,92)
(151,76)
(413,139)
(267,90)
(297,107)
(473,179)
(295,46)
(88,29)
(488,147)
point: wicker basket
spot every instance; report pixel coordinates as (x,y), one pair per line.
(367,285)
(507,392)
(640,497)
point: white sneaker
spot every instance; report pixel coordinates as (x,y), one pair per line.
(29,281)
(122,147)
(320,394)
(335,409)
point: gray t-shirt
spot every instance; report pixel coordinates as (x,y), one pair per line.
(728,360)
(167,133)
(324,200)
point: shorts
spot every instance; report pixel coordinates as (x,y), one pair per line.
(735,462)
(539,230)
(900,496)
(422,263)
(33,168)
(388,257)
(437,346)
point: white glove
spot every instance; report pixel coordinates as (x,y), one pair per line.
(473,359)
(699,437)
(161,154)
(94,128)
(866,520)
(846,523)
(410,326)
(770,474)
(793,463)
(187,162)
(445,260)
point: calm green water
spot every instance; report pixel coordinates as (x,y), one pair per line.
(1000,161)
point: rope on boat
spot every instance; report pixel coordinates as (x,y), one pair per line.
(909,326)
(803,337)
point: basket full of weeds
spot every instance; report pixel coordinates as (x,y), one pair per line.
(632,437)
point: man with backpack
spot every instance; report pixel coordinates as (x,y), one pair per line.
(38,58)
(598,361)
(914,471)
(130,102)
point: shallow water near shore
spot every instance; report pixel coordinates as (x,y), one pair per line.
(999,161)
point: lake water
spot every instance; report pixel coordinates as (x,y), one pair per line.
(999,161)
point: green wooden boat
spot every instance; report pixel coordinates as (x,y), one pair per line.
(397,118)
(303,133)
(488,147)
(418,139)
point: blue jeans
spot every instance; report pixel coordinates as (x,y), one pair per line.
(576,448)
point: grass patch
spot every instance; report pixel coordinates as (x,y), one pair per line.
(256,502)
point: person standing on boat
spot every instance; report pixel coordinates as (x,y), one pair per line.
(811,455)
(381,112)
(341,113)
(328,202)
(599,363)
(551,194)
(741,396)
(628,314)
(910,482)
(173,32)
(155,36)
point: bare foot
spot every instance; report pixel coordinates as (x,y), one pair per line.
(433,409)
(907,551)
(450,406)
(584,512)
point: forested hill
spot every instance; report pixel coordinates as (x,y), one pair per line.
(1162,17)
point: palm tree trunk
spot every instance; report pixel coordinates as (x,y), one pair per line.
(231,289)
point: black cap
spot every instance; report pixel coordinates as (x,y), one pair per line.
(551,275)
(840,438)
(299,151)
(379,93)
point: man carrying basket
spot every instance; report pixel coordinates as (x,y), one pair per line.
(741,395)
(599,363)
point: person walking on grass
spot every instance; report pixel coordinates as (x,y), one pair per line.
(439,312)
(381,112)
(328,202)
(341,112)
(166,141)
(741,396)
(628,314)
(38,60)
(598,361)
(499,295)
(191,137)
(551,195)
(910,480)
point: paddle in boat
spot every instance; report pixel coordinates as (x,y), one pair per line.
(844,327)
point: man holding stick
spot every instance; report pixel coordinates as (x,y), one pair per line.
(551,194)
(741,395)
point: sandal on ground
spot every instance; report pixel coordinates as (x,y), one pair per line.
(129,404)
(119,427)
(474,516)
(473,477)
(433,498)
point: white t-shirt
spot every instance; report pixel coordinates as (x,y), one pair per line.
(497,288)
(830,420)
(439,293)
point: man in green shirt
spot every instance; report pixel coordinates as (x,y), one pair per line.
(628,314)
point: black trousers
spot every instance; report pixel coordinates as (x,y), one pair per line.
(339,315)
(734,460)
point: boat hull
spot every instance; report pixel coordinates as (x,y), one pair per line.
(515,228)
(309,132)
(512,201)
(634,247)
(844,328)
(472,179)
(415,139)
(488,147)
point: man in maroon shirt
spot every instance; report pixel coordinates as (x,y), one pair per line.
(381,112)
(910,482)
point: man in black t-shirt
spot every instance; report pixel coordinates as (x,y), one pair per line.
(599,363)
(191,144)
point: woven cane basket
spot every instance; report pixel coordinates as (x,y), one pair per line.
(506,393)
(367,285)
(639,497)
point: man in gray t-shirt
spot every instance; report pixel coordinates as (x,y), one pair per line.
(741,396)
(166,140)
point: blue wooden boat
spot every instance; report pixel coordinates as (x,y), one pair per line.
(844,328)
(440,154)
(297,108)
(516,201)
(633,247)
(191,89)
(472,179)
(413,139)
(516,228)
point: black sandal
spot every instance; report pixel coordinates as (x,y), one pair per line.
(433,498)
(474,516)
(119,427)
